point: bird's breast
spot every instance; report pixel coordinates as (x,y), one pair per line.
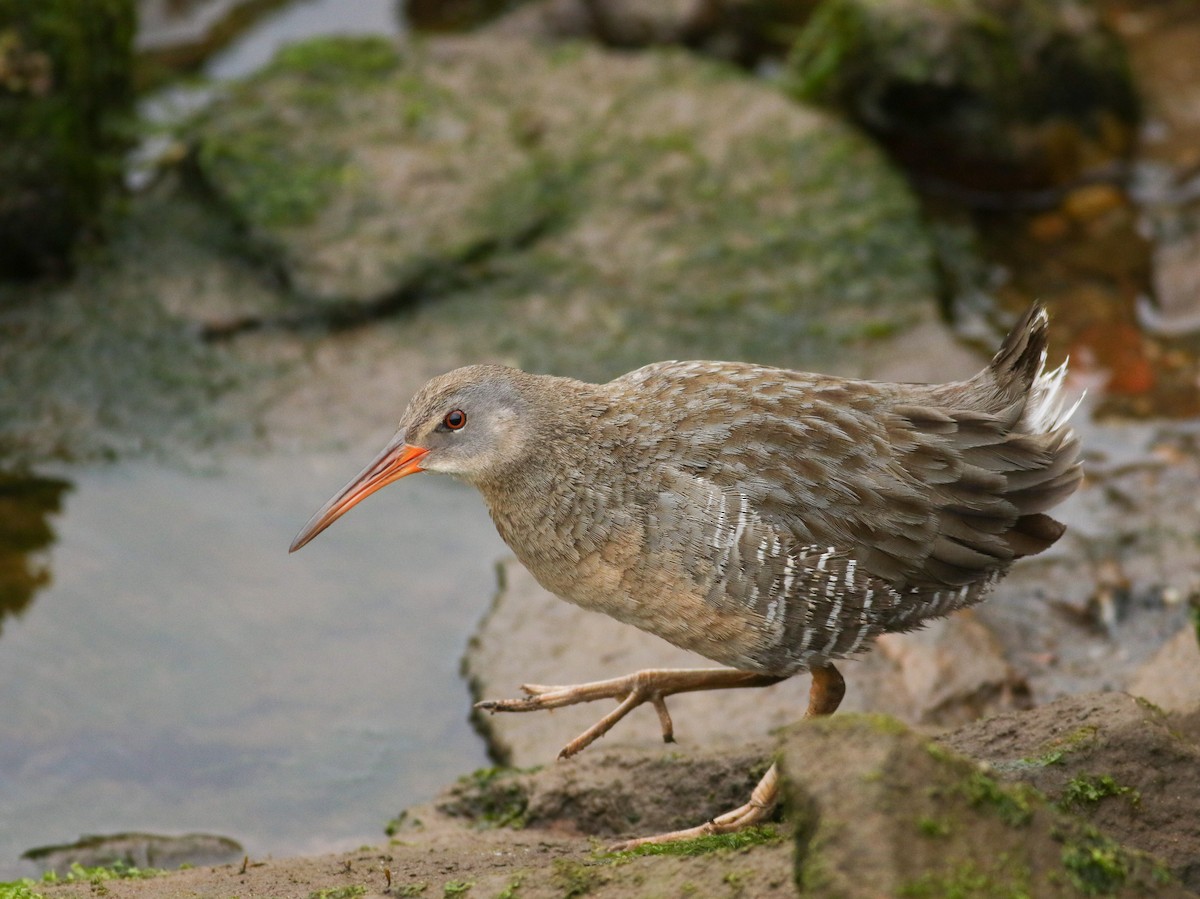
(616,566)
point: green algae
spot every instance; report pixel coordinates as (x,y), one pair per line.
(764,835)
(1056,750)
(1013,804)
(1089,789)
(967,880)
(346,892)
(575,878)
(95,876)
(494,797)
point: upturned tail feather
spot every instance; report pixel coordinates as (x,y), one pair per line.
(1019,367)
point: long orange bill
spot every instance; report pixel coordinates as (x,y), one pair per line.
(397,460)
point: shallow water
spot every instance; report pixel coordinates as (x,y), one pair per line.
(182,672)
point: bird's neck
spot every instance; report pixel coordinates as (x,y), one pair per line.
(543,506)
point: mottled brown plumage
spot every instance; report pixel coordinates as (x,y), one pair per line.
(771,520)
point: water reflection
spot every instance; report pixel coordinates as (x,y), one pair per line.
(27,503)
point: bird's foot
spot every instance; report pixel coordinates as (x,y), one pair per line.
(652,685)
(760,807)
(824,696)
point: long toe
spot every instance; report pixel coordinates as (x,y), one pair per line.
(759,809)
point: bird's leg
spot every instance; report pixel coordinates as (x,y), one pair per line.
(824,696)
(652,685)
(826,693)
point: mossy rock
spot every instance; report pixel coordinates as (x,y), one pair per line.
(65,96)
(988,93)
(1110,759)
(572,209)
(358,172)
(616,792)
(882,811)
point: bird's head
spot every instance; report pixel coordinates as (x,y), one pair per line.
(472,422)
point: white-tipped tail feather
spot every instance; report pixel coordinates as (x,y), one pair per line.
(1019,370)
(1044,411)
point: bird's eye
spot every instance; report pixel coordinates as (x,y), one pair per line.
(455,419)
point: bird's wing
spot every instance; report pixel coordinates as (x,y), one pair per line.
(925,487)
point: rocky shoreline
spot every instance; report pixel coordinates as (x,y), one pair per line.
(1089,795)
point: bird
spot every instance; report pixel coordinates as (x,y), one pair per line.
(773,521)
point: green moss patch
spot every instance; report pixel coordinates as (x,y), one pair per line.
(1098,866)
(576,878)
(1055,751)
(1012,804)
(346,892)
(19,889)
(344,59)
(492,797)
(967,880)
(1089,789)
(727,842)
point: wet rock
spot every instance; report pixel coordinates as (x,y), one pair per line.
(1171,680)
(982,93)
(571,203)
(138,850)
(65,92)
(1116,761)
(880,811)
(950,672)
(611,792)
(169,23)
(876,810)
(361,175)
